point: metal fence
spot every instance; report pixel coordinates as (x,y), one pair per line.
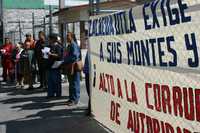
(21,28)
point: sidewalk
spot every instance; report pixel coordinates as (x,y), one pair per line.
(23,111)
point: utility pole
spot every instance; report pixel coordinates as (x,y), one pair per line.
(50,20)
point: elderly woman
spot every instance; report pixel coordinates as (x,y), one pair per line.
(19,65)
(29,46)
(73,55)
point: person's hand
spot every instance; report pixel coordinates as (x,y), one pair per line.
(3,51)
(49,54)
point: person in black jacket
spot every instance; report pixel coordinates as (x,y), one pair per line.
(54,74)
(41,62)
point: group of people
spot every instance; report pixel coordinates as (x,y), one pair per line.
(47,58)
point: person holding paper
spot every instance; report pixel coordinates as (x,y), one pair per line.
(41,62)
(54,74)
(6,51)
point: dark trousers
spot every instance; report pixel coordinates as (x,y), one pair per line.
(43,77)
(7,69)
(74,86)
(54,83)
(87,83)
(5,73)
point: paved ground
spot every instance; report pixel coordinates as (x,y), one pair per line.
(23,111)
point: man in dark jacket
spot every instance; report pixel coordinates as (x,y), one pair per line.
(54,74)
(42,63)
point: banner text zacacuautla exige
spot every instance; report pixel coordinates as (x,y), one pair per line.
(146,68)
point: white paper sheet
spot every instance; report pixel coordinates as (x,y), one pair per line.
(57,64)
(45,51)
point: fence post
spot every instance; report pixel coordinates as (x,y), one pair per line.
(73,27)
(14,37)
(50,20)
(33,24)
(20,31)
(44,25)
(65,34)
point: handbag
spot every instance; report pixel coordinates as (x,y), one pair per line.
(73,67)
(70,68)
(78,66)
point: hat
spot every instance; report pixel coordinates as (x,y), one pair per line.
(53,36)
(28,34)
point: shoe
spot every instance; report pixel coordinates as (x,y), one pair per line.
(40,87)
(22,86)
(58,96)
(30,88)
(71,103)
(18,85)
(49,97)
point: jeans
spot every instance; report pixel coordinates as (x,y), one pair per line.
(54,83)
(74,86)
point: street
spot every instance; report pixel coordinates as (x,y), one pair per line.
(23,111)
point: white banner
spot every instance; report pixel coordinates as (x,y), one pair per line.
(145,68)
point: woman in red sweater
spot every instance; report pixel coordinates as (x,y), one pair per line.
(7,63)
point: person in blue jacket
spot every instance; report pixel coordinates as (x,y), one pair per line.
(73,55)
